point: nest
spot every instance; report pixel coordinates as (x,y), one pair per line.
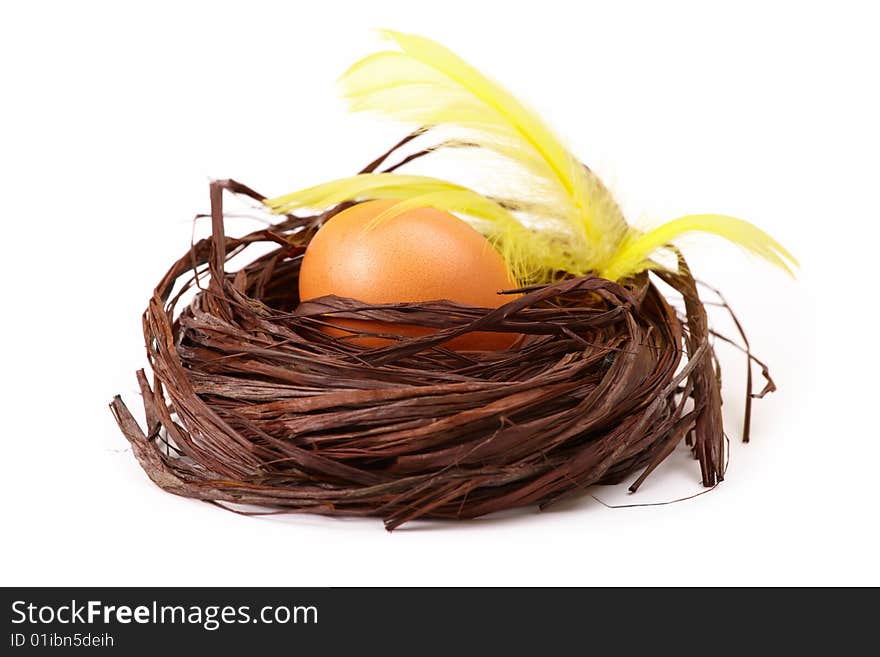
(252,403)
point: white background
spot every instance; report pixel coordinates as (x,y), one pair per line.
(114,119)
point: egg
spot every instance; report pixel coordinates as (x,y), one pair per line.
(420,255)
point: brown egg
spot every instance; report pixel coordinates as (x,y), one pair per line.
(421,255)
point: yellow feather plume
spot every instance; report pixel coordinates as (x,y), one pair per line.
(428,84)
(635,252)
(359,188)
(530,255)
(556,215)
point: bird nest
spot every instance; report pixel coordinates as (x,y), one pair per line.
(252,403)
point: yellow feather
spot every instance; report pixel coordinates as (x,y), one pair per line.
(360,187)
(636,250)
(502,229)
(428,84)
(556,216)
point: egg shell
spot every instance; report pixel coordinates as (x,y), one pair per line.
(421,255)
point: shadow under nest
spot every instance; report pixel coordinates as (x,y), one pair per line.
(252,403)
